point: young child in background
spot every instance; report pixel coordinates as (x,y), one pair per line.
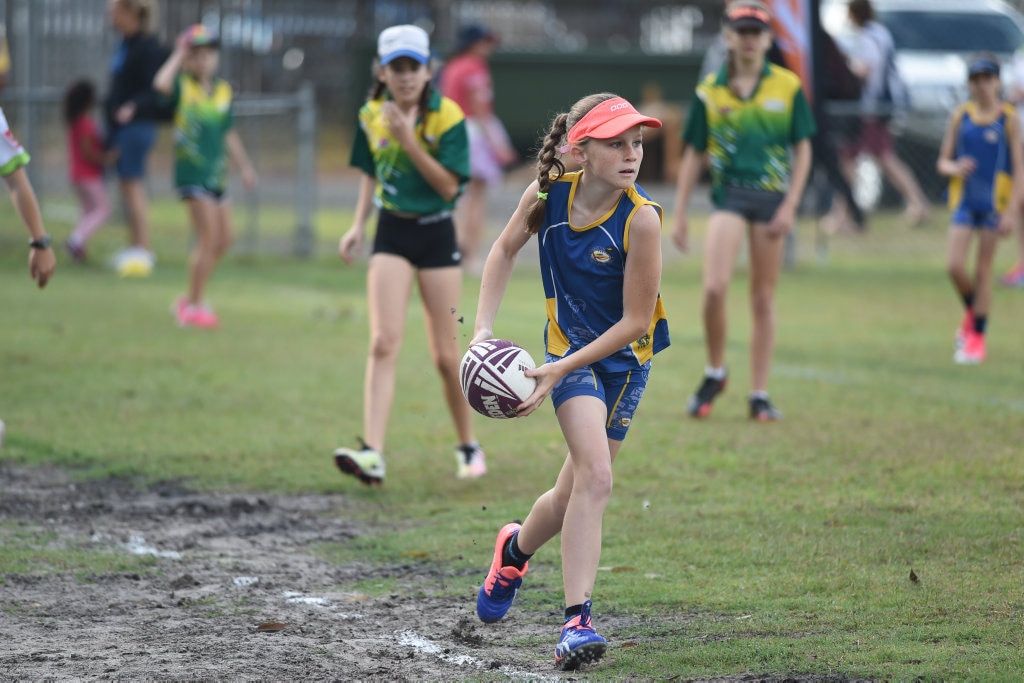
(412,147)
(86,156)
(981,155)
(599,237)
(204,139)
(753,121)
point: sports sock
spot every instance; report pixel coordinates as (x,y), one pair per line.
(758,394)
(512,556)
(715,373)
(968,300)
(573,611)
(980,321)
(467,451)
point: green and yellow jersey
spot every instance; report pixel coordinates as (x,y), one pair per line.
(748,140)
(400,187)
(202,120)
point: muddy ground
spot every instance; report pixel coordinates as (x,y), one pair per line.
(225,565)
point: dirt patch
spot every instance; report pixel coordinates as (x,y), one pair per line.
(234,592)
(224,565)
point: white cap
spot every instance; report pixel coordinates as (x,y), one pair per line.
(403,41)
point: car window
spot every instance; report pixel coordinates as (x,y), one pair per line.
(952,31)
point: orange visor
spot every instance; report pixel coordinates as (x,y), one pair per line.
(608,119)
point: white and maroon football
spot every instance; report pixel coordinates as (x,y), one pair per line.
(492,377)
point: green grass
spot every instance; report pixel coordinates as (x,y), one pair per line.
(775,549)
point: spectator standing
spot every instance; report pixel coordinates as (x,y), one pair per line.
(466,80)
(86,157)
(871,60)
(131,109)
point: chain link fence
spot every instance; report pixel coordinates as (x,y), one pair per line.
(298,135)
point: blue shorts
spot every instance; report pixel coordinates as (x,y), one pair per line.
(133,141)
(620,391)
(975,220)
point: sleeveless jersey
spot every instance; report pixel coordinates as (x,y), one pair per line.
(989,188)
(583,270)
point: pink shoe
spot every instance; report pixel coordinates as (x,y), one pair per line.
(197,316)
(973,351)
(203,316)
(965,330)
(1014,277)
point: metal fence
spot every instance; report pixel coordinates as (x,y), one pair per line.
(271,47)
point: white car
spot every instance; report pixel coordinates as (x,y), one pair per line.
(933,39)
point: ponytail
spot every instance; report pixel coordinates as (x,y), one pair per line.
(547,158)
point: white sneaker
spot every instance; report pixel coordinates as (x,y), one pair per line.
(471,462)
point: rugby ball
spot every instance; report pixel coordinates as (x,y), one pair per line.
(492,377)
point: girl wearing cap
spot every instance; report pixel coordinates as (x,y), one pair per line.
(204,140)
(745,118)
(599,237)
(981,155)
(466,79)
(411,146)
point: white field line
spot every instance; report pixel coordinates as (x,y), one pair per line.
(424,645)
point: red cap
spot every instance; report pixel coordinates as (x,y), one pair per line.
(608,119)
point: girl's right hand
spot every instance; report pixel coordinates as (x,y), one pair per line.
(481,335)
(965,166)
(350,244)
(681,232)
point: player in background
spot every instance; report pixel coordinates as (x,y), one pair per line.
(982,157)
(599,237)
(745,118)
(466,79)
(204,139)
(412,148)
(13,159)
(87,159)
(1015,94)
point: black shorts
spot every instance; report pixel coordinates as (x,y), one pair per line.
(756,206)
(425,241)
(201,192)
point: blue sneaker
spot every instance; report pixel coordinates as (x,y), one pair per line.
(579,643)
(502,583)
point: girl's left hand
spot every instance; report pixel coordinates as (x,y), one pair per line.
(547,376)
(400,124)
(782,221)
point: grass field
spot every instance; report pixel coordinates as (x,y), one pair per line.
(878,532)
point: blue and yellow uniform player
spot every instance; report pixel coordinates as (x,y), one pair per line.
(752,122)
(981,155)
(599,237)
